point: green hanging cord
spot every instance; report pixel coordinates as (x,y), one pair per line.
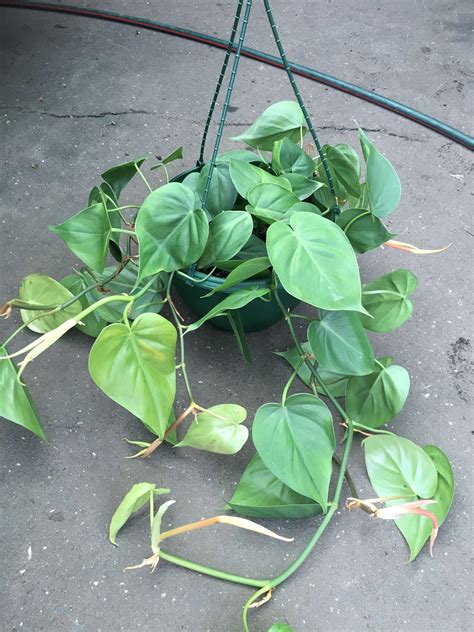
(225,107)
(299,98)
(228,52)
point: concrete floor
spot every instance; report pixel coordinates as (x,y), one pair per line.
(80,95)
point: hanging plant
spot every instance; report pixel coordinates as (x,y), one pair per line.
(244,240)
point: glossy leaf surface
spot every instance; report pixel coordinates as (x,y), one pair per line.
(228,233)
(340,344)
(386,300)
(246,176)
(364,230)
(383,184)
(302,186)
(218,430)
(237,299)
(375,399)
(87,235)
(16,404)
(260,494)
(119,176)
(315,262)
(269,202)
(43,290)
(245,270)
(172,233)
(283,119)
(222,192)
(288,157)
(344,165)
(136,368)
(92,324)
(296,442)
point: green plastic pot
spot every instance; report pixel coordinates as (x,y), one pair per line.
(256,315)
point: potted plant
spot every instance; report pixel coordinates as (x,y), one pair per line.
(245,239)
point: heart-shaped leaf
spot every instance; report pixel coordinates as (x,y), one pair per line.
(104,194)
(383,184)
(269,202)
(172,233)
(283,119)
(386,300)
(301,207)
(288,157)
(137,496)
(246,176)
(218,429)
(398,467)
(228,233)
(119,176)
(260,494)
(315,262)
(87,235)
(15,402)
(302,186)
(417,529)
(136,368)
(375,399)
(340,344)
(296,442)
(245,270)
(222,192)
(364,230)
(335,383)
(40,289)
(237,299)
(344,165)
(243,155)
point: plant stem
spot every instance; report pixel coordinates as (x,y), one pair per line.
(349,480)
(140,173)
(124,231)
(250,601)
(179,327)
(354,219)
(290,381)
(213,572)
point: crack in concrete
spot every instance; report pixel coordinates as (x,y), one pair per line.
(98,115)
(24,110)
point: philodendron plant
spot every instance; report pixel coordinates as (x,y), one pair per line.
(289,224)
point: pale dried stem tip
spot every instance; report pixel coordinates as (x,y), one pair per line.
(148,561)
(6,310)
(414,250)
(234,521)
(264,599)
(414,507)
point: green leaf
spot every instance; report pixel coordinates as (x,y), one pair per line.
(137,496)
(92,324)
(255,247)
(364,230)
(222,192)
(386,300)
(246,176)
(228,233)
(375,399)
(16,404)
(105,195)
(241,154)
(283,119)
(192,182)
(296,442)
(417,529)
(269,202)
(246,270)
(172,233)
(335,383)
(237,299)
(344,165)
(239,333)
(315,262)
(119,176)
(40,289)
(177,154)
(87,235)
(218,430)
(288,157)
(398,467)
(383,184)
(136,368)
(260,494)
(301,186)
(301,207)
(340,344)
(280,627)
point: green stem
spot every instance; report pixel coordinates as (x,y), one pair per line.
(140,173)
(290,381)
(349,479)
(124,231)
(186,276)
(21,327)
(250,601)
(179,327)
(354,219)
(122,208)
(213,572)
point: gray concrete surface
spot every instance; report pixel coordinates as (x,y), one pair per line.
(80,95)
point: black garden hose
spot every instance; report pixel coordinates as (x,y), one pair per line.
(309,73)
